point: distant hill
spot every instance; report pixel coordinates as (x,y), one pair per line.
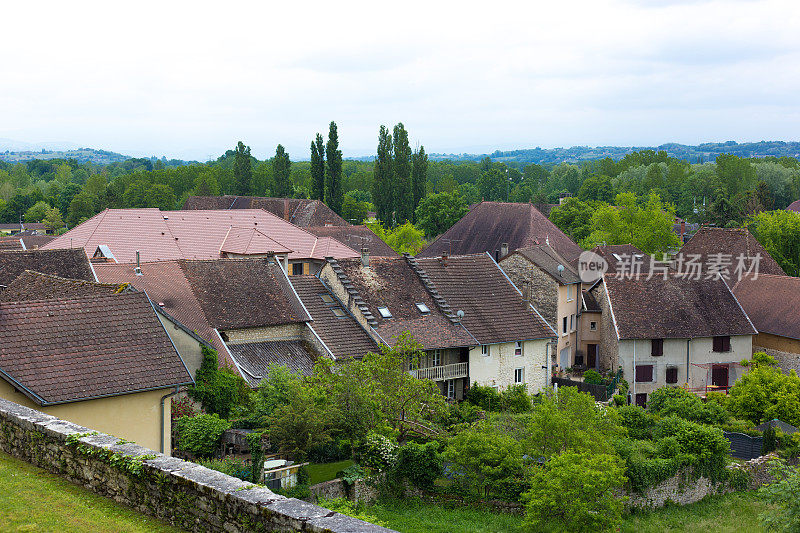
(693,154)
(82,155)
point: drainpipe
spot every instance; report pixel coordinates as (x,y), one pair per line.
(688,348)
(634,371)
(163,421)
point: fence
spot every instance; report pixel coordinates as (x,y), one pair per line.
(600,392)
(744,446)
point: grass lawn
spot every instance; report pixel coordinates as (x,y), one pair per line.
(717,514)
(34,500)
(317,473)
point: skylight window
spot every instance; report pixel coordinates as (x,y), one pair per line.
(338,311)
(327,298)
(385,313)
(423,308)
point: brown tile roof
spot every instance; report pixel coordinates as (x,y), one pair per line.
(548,260)
(75,349)
(794,206)
(37,286)
(69,263)
(614,254)
(675,307)
(489,224)
(392,283)
(343,336)
(300,212)
(255,358)
(356,237)
(165,235)
(733,242)
(494,310)
(771,302)
(10,242)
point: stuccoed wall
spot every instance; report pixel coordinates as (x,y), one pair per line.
(182,493)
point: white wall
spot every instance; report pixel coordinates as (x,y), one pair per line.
(497,369)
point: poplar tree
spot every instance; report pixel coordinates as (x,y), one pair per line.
(382,193)
(242,170)
(333,179)
(318,168)
(419,176)
(281,173)
(401,167)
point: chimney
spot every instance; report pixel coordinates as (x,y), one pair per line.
(138,269)
(444,259)
(503,249)
(365,257)
(287,214)
(526,291)
(683,231)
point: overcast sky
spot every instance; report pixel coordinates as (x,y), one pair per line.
(189,79)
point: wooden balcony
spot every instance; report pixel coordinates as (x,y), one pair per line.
(441,373)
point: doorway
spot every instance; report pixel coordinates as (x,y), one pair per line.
(719,376)
(591,356)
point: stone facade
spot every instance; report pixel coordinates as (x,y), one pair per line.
(182,493)
(786,351)
(544,289)
(267,333)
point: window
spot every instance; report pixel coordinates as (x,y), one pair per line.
(722,344)
(572,322)
(485,350)
(657,347)
(519,375)
(592,326)
(437,358)
(564,329)
(451,388)
(569,293)
(423,308)
(337,311)
(644,373)
(385,313)
(327,298)
(297,269)
(672,374)
(518,348)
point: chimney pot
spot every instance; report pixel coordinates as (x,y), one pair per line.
(444,259)
(503,249)
(365,257)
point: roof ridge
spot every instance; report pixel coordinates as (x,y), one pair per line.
(102,215)
(438,299)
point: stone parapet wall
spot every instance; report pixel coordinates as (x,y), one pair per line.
(185,494)
(787,361)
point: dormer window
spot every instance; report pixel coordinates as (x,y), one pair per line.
(327,298)
(423,308)
(385,313)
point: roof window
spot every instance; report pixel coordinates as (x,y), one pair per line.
(423,308)
(385,313)
(327,298)
(338,311)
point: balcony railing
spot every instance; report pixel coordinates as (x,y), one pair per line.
(441,373)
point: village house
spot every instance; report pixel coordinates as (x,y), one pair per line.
(734,249)
(298,211)
(71,264)
(673,331)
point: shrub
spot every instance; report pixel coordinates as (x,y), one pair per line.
(637,421)
(348,508)
(228,465)
(218,389)
(668,401)
(782,492)
(593,377)
(329,452)
(487,398)
(182,406)
(420,464)
(706,444)
(376,452)
(515,399)
(619,400)
(201,434)
(624,387)
(575,492)
(648,463)
(351,474)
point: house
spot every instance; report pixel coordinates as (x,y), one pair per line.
(772,303)
(513,338)
(101,360)
(17,227)
(357,238)
(672,331)
(148,235)
(70,263)
(625,260)
(299,211)
(27,240)
(730,251)
(555,291)
(499,228)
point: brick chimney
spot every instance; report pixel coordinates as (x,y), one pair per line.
(683,231)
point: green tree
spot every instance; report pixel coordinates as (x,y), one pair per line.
(281,174)
(596,188)
(436,213)
(137,194)
(493,185)
(784,493)
(242,170)
(53,221)
(334,194)
(205,184)
(574,217)
(779,233)
(485,459)
(401,168)
(736,174)
(219,390)
(37,212)
(575,492)
(419,176)
(161,196)
(354,211)
(318,168)
(80,208)
(765,393)
(382,189)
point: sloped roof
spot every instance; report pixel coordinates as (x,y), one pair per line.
(494,310)
(732,242)
(392,283)
(69,263)
(356,237)
(299,211)
(772,303)
(624,255)
(489,224)
(675,307)
(344,336)
(75,349)
(24,241)
(548,260)
(10,242)
(255,358)
(794,206)
(37,286)
(250,241)
(165,235)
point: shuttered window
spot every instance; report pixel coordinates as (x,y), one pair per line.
(644,373)
(722,344)
(672,374)
(657,347)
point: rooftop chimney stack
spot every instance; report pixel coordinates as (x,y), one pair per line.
(683,231)
(503,249)
(526,291)
(138,269)
(365,257)
(444,259)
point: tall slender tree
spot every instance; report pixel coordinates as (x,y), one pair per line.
(401,167)
(382,194)
(281,174)
(242,170)
(419,176)
(318,168)
(334,196)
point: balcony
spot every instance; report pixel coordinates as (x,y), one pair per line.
(441,373)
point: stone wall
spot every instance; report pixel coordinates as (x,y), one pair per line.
(787,361)
(182,493)
(362,491)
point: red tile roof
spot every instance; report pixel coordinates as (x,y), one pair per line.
(69,350)
(165,235)
(71,264)
(794,206)
(298,211)
(356,237)
(771,302)
(250,241)
(489,224)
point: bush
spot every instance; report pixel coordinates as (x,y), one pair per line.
(348,508)
(351,474)
(637,421)
(619,400)
(706,444)
(487,398)
(515,399)
(201,434)
(420,464)
(329,452)
(668,401)
(218,389)
(593,377)
(376,452)
(182,406)
(782,492)
(624,387)
(228,465)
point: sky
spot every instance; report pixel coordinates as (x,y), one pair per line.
(189,79)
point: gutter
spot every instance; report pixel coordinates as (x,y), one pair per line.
(163,418)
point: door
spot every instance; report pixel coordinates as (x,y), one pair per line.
(719,376)
(564,358)
(591,356)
